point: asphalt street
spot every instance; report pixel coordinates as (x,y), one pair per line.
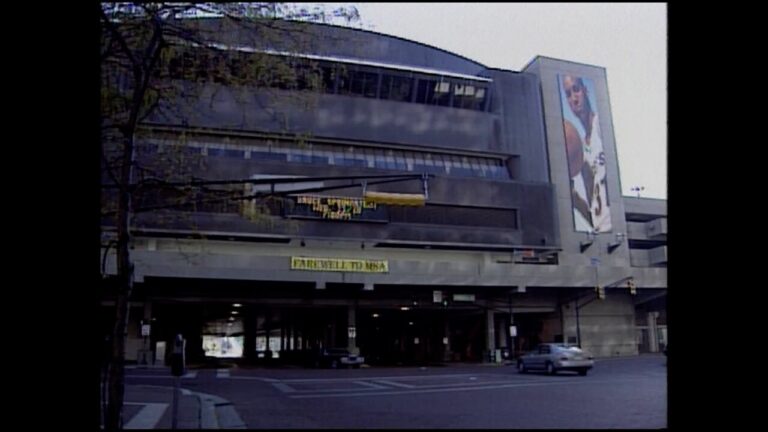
(626,392)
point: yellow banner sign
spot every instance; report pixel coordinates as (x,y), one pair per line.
(342,265)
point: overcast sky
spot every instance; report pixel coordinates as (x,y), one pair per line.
(628,39)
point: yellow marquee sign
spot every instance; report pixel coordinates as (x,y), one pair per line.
(342,265)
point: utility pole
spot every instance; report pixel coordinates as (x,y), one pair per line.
(511,339)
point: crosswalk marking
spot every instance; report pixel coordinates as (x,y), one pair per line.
(147,417)
(395,384)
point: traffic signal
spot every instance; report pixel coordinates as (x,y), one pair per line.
(632,287)
(600,292)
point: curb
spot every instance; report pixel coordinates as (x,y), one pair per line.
(218,413)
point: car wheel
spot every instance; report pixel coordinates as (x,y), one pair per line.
(582,372)
(551,368)
(521,367)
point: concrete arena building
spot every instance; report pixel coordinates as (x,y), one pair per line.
(495,246)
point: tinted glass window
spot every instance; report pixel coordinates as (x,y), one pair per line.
(442,93)
(398,88)
(359,82)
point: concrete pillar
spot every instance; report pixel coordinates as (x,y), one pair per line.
(249,334)
(145,352)
(447,354)
(352,322)
(653,341)
(503,332)
(490,339)
(268,332)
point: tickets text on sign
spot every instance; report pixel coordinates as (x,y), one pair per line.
(344,265)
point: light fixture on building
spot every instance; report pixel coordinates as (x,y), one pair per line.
(375,315)
(234,312)
(617,243)
(404,308)
(237,305)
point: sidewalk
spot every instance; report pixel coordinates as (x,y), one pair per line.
(151,407)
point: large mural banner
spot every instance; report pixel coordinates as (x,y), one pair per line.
(586,157)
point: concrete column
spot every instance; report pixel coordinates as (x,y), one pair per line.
(653,341)
(145,353)
(447,354)
(249,335)
(352,322)
(503,331)
(490,339)
(268,332)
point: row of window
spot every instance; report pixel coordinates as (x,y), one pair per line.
(329,154)
(228,67)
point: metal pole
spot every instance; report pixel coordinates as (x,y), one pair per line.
(578,327)
(511,338)
(176,391)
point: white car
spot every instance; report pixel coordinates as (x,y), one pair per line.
(554,357)
(338,357)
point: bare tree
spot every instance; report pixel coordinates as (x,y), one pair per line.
(151,56)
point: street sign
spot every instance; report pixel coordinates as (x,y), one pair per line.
(513,331)
(594,262)
(437,296)
(464,297)
(352,332)
(145,330)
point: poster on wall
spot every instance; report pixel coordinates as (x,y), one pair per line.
(586,156)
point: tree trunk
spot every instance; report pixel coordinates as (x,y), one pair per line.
(116,371)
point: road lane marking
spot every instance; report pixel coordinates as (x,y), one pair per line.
(190,375)
(285,388)
(440,390)
(147,417)
(222,373)
(267,380)
(395,384)
(370,384)
(225,374)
